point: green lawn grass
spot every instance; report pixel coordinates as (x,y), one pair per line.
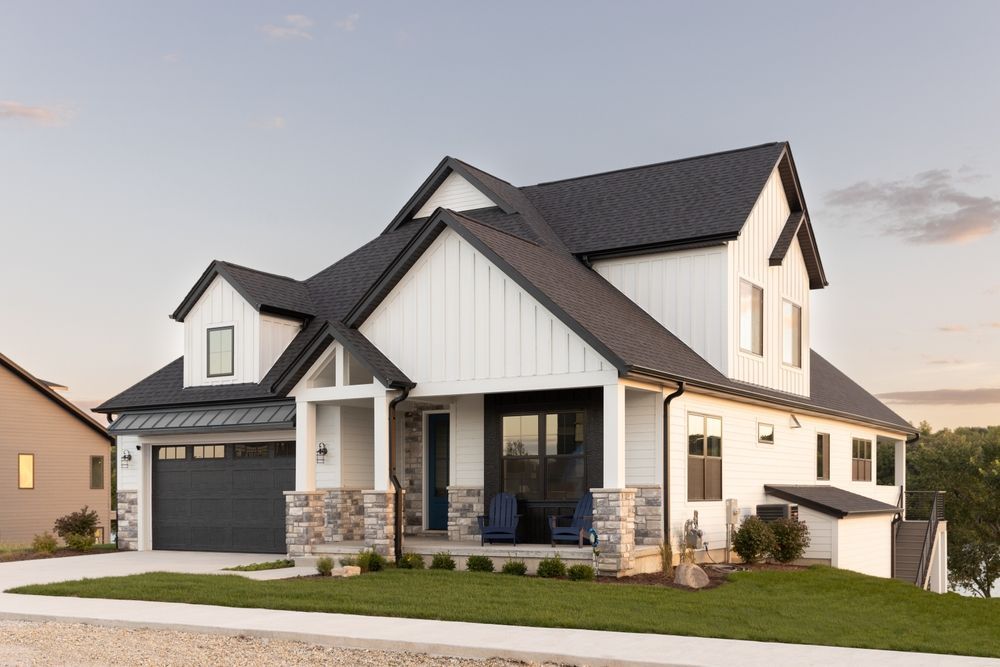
(268,565)
(816,606)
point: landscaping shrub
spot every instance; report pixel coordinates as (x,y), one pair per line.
(80,542)
(44,543)
(83,522)
(752,540)
(581,572)
(789,541)
(411,561)
(443,561)
(348,560)
(324,566)
(551,567)
(479,564)
(371,561)
(516,567)
(268,565)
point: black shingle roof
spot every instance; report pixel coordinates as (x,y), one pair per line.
(829,499)
(536,233)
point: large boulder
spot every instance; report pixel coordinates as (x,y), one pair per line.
(690,575)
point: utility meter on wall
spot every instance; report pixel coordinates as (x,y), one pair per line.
(732,512)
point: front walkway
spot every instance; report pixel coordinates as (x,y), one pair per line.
(421,636)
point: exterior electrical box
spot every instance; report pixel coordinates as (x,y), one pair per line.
(732,512)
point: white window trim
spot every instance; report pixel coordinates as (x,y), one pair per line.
(687,453)
(802,352)
(774,434)
(750,354)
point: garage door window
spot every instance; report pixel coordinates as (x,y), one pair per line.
(284,449)
(209,451)
(171,453)
(250,451)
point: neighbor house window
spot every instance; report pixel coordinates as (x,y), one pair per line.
(751,318)
(861,460)
(765,434)
(543,456)
(99,534)
(704,458)
(220,352)
(791,344)
(25,471)
(97,472)
(823,456)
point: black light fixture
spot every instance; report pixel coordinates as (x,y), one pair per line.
(321,453)
(126,458)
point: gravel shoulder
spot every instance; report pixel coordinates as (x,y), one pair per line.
(43,644)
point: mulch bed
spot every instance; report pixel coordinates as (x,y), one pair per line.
(14,556)
(716,577)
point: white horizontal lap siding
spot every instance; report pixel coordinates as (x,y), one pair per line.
(749,260)
(221,305)
(685,291)
(456,316)
(357,447)
(468,450)
(276,333)
(641,414)
(821,528)
(864,544)
(128,478)
(457,194)
(328,431)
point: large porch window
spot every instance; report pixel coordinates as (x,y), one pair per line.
(543,456)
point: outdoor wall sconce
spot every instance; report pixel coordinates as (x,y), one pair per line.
(321,452)
(794,422)
(126,458)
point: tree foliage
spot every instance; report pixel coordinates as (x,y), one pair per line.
(965,464)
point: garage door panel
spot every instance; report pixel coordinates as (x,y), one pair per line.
(222,504)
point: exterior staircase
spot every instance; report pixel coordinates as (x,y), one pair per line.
(914,537)
(909,548)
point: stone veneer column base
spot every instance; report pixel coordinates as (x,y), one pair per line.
(128,520)
(304,520)
(614,521)
(465,504)
(345,515)
(379,520)
(648,515)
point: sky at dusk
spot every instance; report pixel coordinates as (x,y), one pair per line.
(138,142)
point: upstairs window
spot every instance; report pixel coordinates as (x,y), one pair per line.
(751,318)
(25,471)
(861,460)
(704,458)
(97,472)
(791,344)
(823,456)
(220,352)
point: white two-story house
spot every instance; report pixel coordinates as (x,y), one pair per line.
(641,335)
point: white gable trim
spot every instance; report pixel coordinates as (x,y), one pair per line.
(455,193)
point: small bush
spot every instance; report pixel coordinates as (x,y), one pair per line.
(324,566)
(411,561)
(516,567)
(551,567)
(790,539)
(44,543)
(479,564)
(667,559)
(83,522)
(580,573)
(257,567)
(443,561)
(371,561)
(752,540)
(80,542)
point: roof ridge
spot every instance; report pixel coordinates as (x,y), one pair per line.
(258,271)
(496,229)
(482,171)
(655,164)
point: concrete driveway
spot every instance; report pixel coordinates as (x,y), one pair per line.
(50,570)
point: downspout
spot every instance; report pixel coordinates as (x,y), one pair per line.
(666,459)
(397,533)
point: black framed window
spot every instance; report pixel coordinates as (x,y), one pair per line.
(704,457)
(220,351)
(97,472)
(861,460)
(543,455)
(823,456)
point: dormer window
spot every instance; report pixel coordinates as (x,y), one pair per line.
(220,352)
(751,318)
(791,345)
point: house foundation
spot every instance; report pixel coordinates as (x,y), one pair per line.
(465,505)
(379,520)
(304,521)
(614,521)
(344,511)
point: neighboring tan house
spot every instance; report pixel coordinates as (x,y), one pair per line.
(54,459)
(643,334)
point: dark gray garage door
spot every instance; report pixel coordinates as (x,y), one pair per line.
(222,497)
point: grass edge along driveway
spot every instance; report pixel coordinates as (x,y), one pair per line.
(820,605)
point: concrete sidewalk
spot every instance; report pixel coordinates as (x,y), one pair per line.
(435,637)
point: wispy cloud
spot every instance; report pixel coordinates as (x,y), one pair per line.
(51,116)
(272,123)
(954,328)
(984,396)
(964,328)
(930,207)
(349,23)
(945,362)
(294,26)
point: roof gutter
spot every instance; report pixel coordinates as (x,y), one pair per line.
(666,460)
(397,515)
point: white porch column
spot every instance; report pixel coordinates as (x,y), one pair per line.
(614,436)
(380,440)
(305,446)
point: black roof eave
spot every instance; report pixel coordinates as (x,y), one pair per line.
(823,508)
(218,268)
(645,249)
(174,405)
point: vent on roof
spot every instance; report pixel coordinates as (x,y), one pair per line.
(769,513)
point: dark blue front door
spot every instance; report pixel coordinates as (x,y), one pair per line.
(438,455)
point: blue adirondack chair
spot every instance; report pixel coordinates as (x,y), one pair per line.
(578,524)
(501,524)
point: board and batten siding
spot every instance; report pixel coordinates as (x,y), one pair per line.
(328,432)
(864,544)
(684,290)
(468,450)
(457,194)
(643,411)
(748,465)
(748,260)
(455,316)
(276,333)
(357,433)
